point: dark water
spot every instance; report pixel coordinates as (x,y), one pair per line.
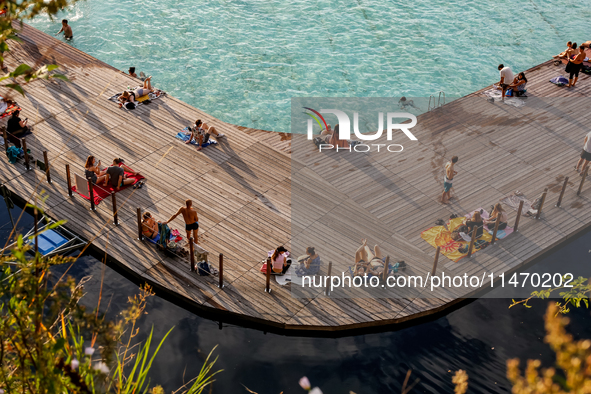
(479,338)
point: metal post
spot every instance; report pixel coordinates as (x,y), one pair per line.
(562,192)
(221,273)
(115,217)
(268,282)
(69,180)
(515,228)
(494,236)
(140,234)
(27,166)
(192,254)
(91,194)
(542,203)
(5,139)
(583,180)
(436,261)
(326,291)
(46,160)
(472,242)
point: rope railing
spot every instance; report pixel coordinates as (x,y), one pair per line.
(190,260)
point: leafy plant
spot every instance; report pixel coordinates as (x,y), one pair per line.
(573,296)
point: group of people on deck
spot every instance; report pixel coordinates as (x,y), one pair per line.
(113,175)
(575,56)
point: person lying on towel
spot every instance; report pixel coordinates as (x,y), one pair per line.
(130,97)
(116,175)
(368,263)
(201,133)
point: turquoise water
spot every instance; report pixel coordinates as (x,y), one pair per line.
(242,61)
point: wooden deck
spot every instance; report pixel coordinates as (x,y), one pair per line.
(243,188)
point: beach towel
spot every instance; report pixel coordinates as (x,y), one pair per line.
(185,134)
(457,250)
(513,200)
(9,110)
(496,95)
(101,192)
(138,100)
(559,81)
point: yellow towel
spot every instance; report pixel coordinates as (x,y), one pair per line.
(143,98)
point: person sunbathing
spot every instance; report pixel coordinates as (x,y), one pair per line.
(131,97)
(497,214)
(309,265)
(368,263)
(149,226)
(475,221)
(116,176)
(201,133)
(93,171)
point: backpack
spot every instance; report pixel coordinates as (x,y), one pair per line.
(203,268)
(164,232)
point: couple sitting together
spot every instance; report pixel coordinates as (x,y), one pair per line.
(201,133)
(331,136)
(477,221)
(113,175)
(309,264)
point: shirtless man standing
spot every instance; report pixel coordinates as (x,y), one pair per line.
(68,35)
(191,220)
(448,179)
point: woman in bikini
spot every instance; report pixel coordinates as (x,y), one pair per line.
(149,226)
(93,171)
(497,214)
(130,97)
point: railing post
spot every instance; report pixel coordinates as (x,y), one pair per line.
(140,234)
(268,279)
(472,241)
(562,192)
(69,180)
(5,139)
(192,254)
(221,273)
(115,217)
(46,160)
(91,194)
(516,226)
(583,180)
(326,291)
(542,203)
(494,236)
(435,261)
(27,166)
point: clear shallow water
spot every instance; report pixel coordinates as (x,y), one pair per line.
(242,61)
(478,338)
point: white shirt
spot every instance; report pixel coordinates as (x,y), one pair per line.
(507,75)
(587,146)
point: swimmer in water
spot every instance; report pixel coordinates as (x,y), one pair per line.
(403,103)
(68,35)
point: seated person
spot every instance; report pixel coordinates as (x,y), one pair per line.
(149,226)
(309,265)
(563,55)
(518,85)
(279,261)
(132,72)
(497,214)
(201,132)
(368,263)
(327,131)
(130,97)
(116,175)
(335,141)
(475,221)
(93,171)
(16,128)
